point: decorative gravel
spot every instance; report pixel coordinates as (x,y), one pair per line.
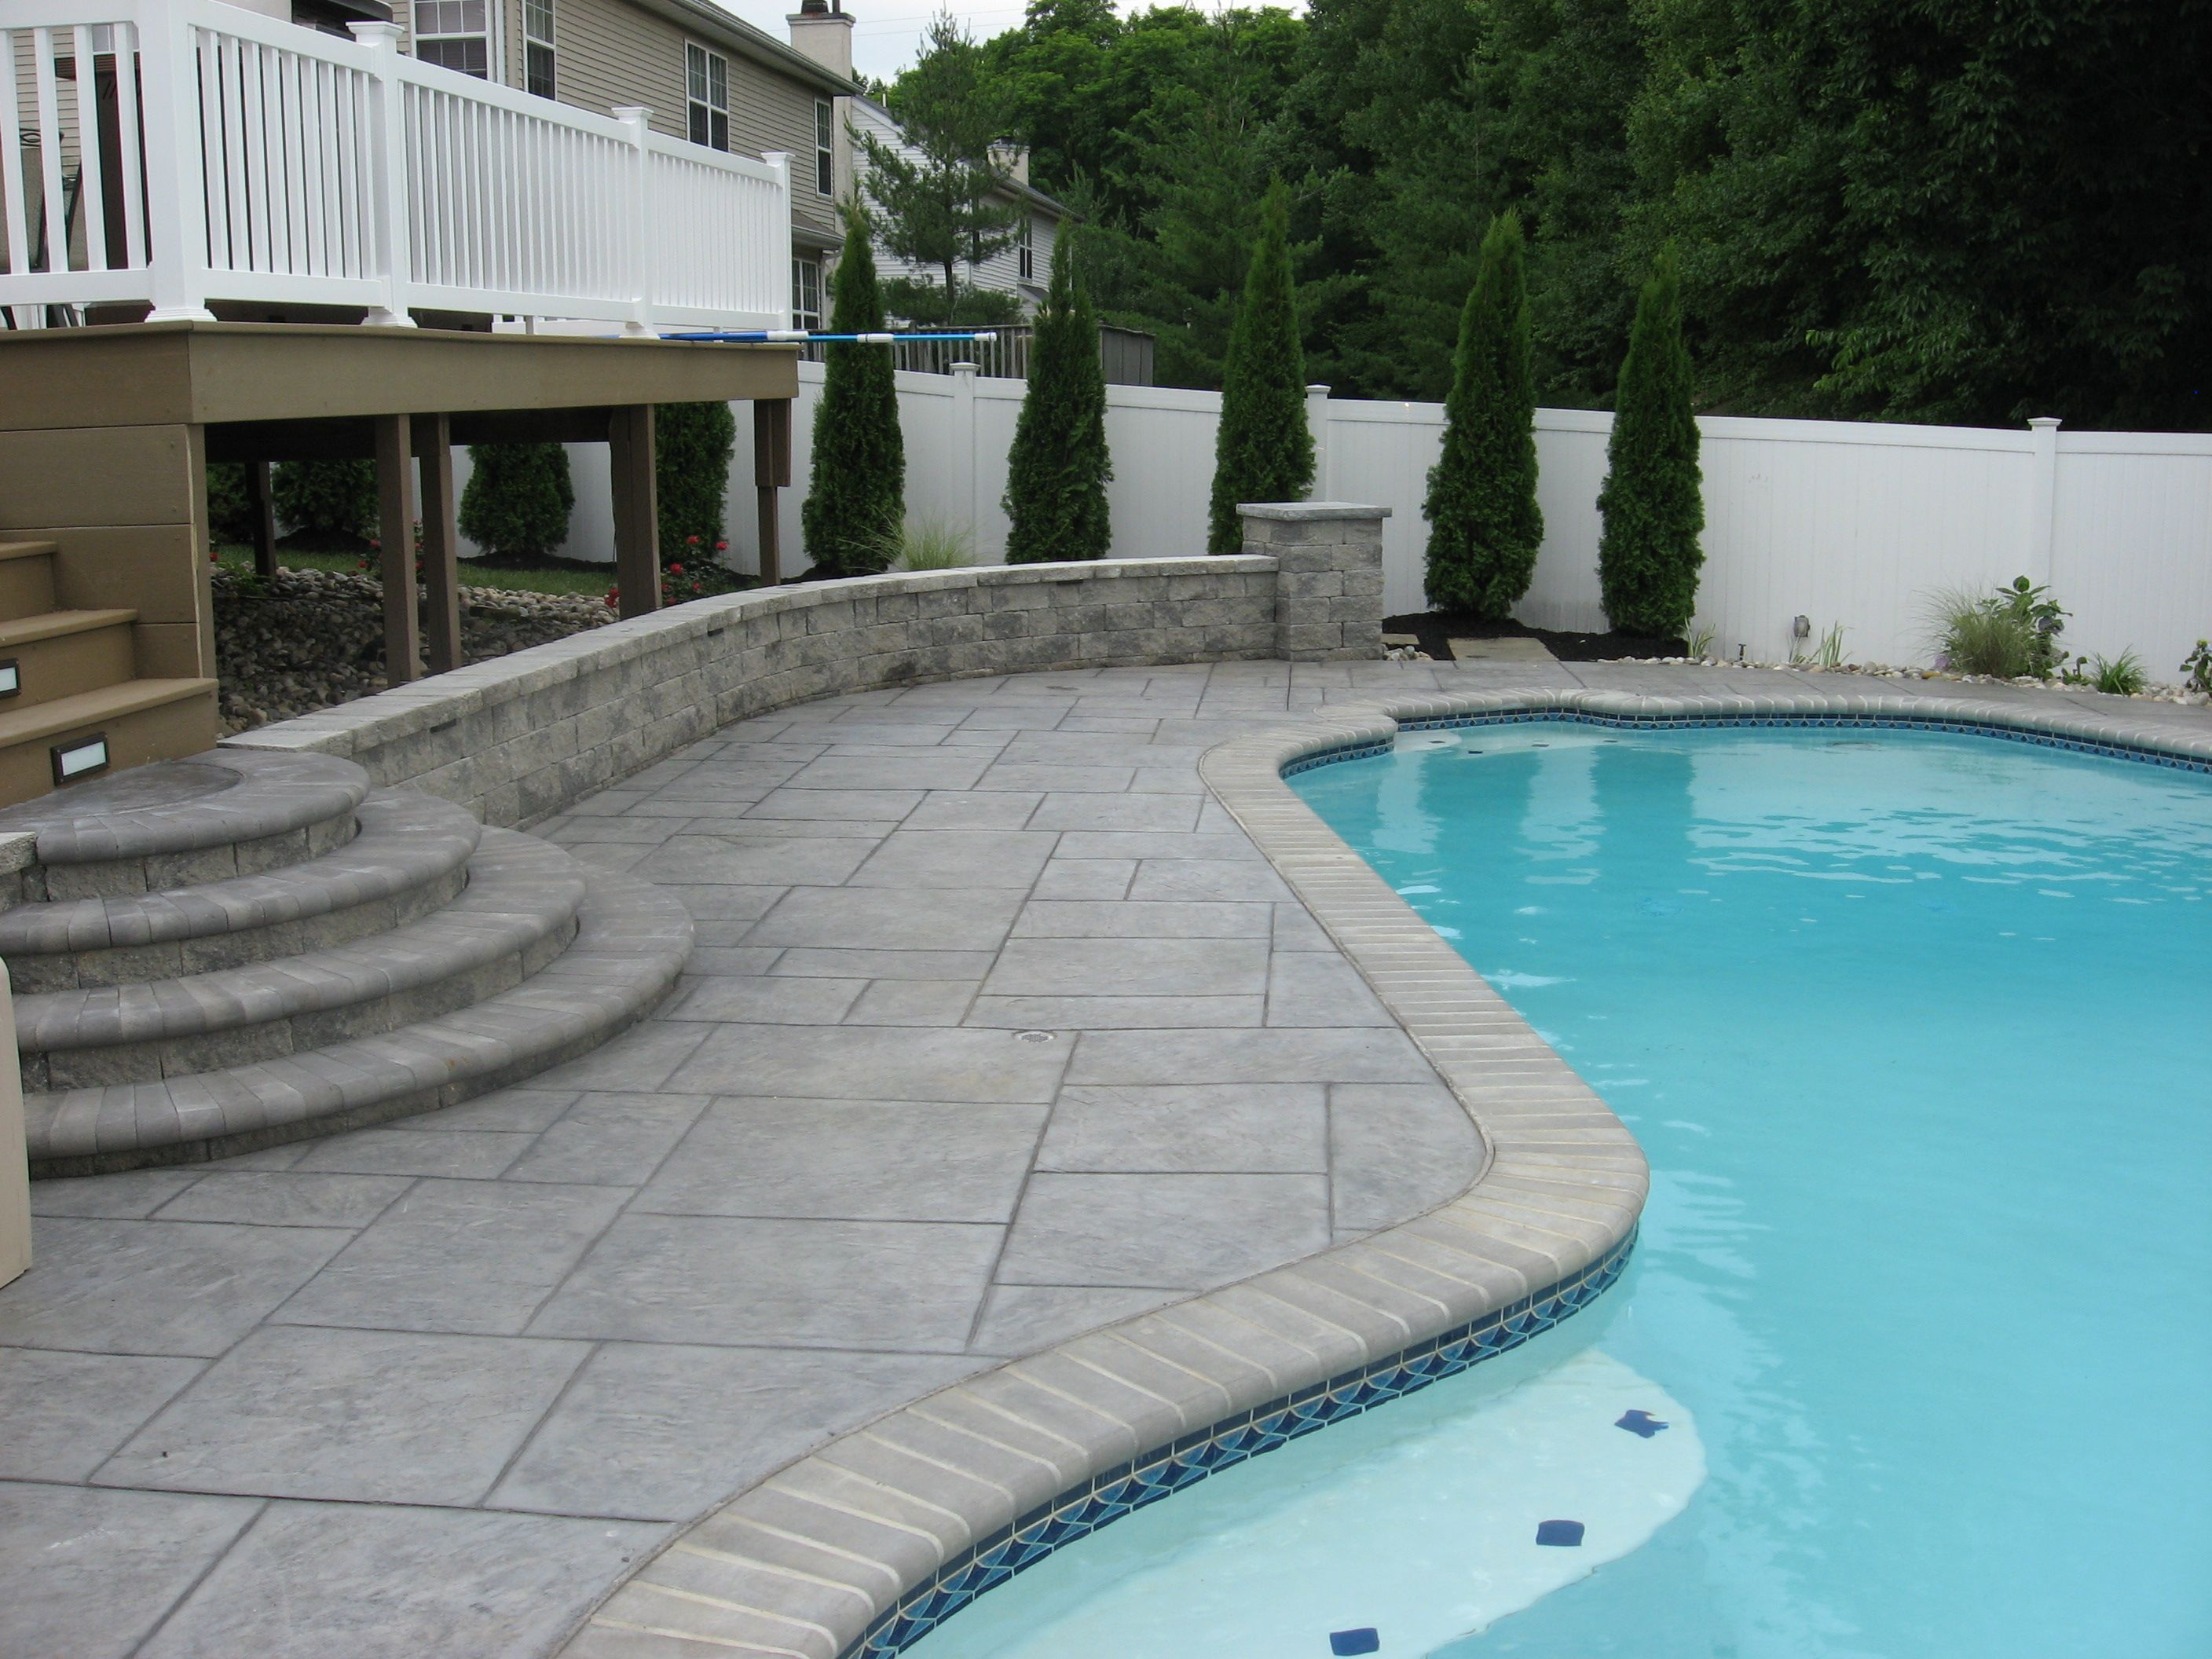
(305,640)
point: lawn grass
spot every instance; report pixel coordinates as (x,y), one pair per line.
(473,573)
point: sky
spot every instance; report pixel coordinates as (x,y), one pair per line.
(886,34)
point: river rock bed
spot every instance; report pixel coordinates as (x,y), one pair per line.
(304,639)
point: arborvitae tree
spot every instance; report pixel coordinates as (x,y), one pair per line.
(857,499)
(1264,452)
(1484,523)
(691,447)
(230,505)
(329,505)
(518,498)
(1648,555)
(1056,475)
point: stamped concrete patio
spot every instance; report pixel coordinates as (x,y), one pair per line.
(998,1029)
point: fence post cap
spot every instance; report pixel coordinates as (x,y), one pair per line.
(375,34)
(2045,423)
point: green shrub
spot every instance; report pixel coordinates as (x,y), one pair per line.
(2010,633)
(329,505)
(2197,665)
(1648,554)
(857,495)
(1264,451)
(1056,475)
(928,542)
(1484,524)
(517,499)
(691,448)
(230,507)
(2122,676)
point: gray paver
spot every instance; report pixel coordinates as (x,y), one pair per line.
(1220,1128)
(659,1432)
(286,1197)
(1021,1319)
(314,1581)
(370,1416)
(1397,1149)
(965,859)
(87,1573)
(65,1412)
(843,918)
(1174,1231)
(866,1062)
(610,1138)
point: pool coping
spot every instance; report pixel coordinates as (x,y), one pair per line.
(859,1549)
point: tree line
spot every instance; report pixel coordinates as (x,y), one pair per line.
(1919,209)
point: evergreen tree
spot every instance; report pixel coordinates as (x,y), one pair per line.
(691,448)
(1648,554)
(1484,524)
(230,504)
(518,498)
(1264,452)
(330,506)
(857,499)
(1056,475)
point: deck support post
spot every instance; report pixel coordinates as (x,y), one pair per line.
(395,498)
(637,512)
(263,503)
(441,583)
(771,472)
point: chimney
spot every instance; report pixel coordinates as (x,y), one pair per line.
(1014,157)
(821,29)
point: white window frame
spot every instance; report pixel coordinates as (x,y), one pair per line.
(701,108)
(802,269)
(533,43)
(484,34)
(825,148)
(1025,248)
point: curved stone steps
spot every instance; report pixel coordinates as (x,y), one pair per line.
(630,946)
(514,917)
(173,824)
(409,857)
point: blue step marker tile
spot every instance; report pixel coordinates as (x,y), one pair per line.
(1563,1534)
(1642,1425)
(1355,1641)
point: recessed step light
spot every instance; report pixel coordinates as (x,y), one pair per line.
(80,759)
(11,677)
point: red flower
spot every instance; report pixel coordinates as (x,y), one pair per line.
(675,569)
(721,547)
(691,541)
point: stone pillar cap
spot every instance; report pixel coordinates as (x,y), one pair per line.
(1295,512)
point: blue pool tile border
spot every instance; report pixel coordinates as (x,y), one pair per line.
(2110,749)
(1128,1487)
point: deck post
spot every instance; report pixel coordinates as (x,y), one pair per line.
(395,500)
(441,576)
(637,511)
(771,472)
(263,502)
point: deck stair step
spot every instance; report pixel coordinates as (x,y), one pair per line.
(173,823)
(517,913)
(410,857)
(629,947)
(242,947)
(27,577)
(63,653)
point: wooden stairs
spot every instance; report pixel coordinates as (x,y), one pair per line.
(72,703)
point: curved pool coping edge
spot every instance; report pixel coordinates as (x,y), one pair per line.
(860,1548)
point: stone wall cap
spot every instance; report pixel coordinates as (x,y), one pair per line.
(1300,512)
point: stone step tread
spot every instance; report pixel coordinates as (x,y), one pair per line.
(628,951)
(56,624)
(520,889)
(25,549)
(90,709)
(407,840)
(219,799)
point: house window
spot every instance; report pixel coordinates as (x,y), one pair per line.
(707,78)
(1025,249)
(537,47)
(806,293)
(452,34)
(825,148)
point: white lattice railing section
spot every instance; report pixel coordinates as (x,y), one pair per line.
(179,152)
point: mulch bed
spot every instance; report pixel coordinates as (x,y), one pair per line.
(1436,629)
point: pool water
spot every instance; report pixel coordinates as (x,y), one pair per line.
(1917,1031)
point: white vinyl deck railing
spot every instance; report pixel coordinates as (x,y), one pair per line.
(179,152)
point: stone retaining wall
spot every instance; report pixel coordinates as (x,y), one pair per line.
(519,738)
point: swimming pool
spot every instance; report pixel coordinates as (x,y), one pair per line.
(1916,1030)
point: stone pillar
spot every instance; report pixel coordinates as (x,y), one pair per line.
(1329,575)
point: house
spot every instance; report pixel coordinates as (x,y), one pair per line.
(703,74)
(823,30)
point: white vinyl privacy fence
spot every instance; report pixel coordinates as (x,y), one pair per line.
(1856,524)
